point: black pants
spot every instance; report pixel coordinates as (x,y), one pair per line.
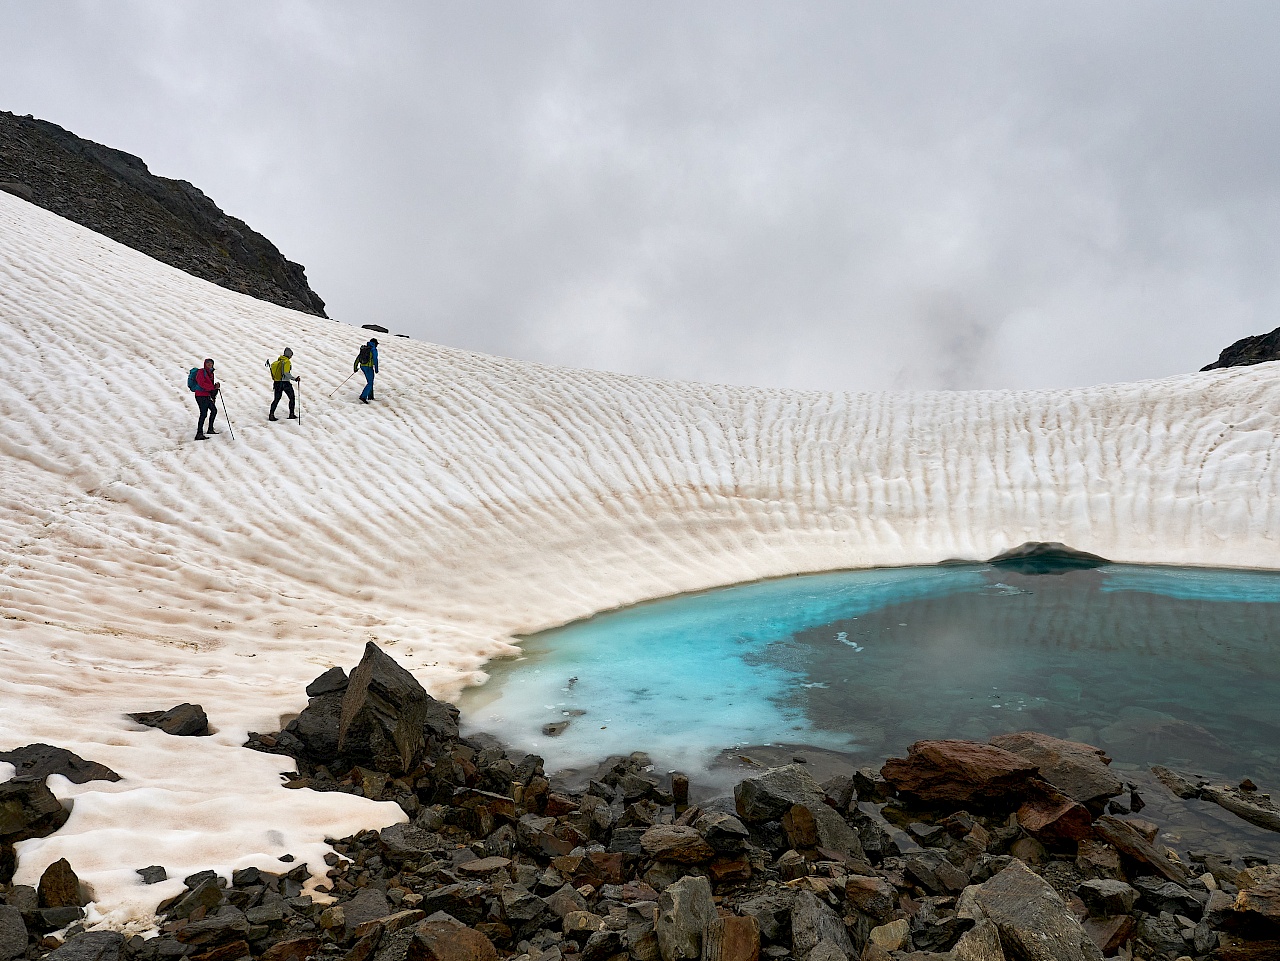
(281,388)
(208,406)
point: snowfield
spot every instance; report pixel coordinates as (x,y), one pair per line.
(478,498)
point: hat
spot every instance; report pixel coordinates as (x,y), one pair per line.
(374,341)
(208,362)
(288,352)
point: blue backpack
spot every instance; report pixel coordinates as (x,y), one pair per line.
(191,379)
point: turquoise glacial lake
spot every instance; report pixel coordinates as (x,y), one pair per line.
(1172,666)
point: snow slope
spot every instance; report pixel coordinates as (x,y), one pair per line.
(478,498)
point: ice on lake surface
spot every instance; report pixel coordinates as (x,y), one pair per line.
(1173,666)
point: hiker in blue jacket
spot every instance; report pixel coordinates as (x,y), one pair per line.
(367,363)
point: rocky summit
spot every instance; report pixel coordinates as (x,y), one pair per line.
(1020,850)
(115,194)
(1249,350)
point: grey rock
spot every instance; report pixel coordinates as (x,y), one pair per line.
(772,794)
(207,893)
(827,950)
(18,190)
(1162,933)
(13,933)
(405,842)
(979,943)
(334,679)
(227,925)
(685,908)
(318,725)
(812,922)
(153,874)
(772,909)
(1105,896)
(1077,770)
(1157,896)
(1033,921)
(565,901)
(367,904)
(90,946)
(41,760)
(28,809)
(724,832)
(184,720)
(383,712)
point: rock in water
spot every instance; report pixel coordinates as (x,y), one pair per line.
(960,773)
(1077,770)
(1033,921)
(384,710)
(1046,557)
(41,760)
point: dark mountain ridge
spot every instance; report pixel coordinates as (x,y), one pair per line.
(114,193)
(1249,350)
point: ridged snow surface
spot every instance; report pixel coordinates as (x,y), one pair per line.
(478,498)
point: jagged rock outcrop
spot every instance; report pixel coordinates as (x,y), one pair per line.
(1250,350)
(115,194)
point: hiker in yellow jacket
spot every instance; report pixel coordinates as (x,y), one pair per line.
(282,379)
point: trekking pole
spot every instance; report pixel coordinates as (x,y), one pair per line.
(230,426)
(343,384)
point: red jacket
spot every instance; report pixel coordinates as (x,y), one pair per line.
(205,383)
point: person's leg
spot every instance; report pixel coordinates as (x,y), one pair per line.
(203,404)
(368,387)
(372,375)
(276,394)
(213,415)
(288,391)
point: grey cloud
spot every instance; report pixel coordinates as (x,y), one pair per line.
(831,195)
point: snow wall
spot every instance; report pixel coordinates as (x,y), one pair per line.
(477,499)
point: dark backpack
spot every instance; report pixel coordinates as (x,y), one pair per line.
(363,359)
(191,379)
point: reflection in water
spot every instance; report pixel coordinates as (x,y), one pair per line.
(1155,665)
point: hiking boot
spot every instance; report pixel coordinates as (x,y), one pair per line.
(210,430)
(292,417)
(272,417)
(200,437)
(364,400)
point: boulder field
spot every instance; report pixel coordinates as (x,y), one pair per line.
(1026,848)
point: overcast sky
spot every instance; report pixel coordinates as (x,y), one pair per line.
(844,195)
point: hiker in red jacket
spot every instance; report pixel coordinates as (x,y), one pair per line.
(206,399)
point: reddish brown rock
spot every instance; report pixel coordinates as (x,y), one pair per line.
(59,886)
(1077,770)
(673,842)
(800,827)
(725,870)
(295,949)
(1260,900)
(1128,841)
(731,938)
(449,941)
(1110,934)
(1050,815)
(959,772)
